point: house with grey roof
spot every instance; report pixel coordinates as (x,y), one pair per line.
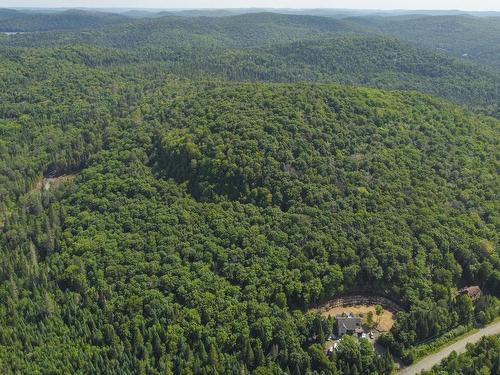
(348,325)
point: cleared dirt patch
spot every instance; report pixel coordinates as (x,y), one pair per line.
(52,182)
(384,322)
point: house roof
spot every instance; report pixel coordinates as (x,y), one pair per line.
(472,291)
(349,323)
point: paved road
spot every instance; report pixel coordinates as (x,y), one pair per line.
(426,363)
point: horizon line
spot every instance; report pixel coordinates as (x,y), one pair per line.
(256,8)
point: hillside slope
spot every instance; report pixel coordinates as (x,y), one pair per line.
(476,38)
(209,189)
(369,61)
(235,31)
(271,47)
(212,214)
(17,21)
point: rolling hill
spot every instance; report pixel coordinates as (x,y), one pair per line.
(17,21)
(280,48)
(177,194)
(474,38)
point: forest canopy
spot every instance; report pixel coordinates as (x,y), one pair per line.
(178,205)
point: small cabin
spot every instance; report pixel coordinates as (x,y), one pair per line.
(474,292)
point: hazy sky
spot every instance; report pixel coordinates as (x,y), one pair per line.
(360,4)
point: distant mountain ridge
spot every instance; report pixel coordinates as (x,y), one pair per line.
(471,35)
(15,21)
(220,12)
(461,36)
(284,48)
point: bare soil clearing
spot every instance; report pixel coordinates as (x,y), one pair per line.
(52,182)
(46,183)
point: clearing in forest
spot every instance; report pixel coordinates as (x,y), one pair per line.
(47,183)
(382,323)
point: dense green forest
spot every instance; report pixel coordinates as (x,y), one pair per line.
(272,47)
(17,21)
(481,358)
(479,37)
(218,183)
